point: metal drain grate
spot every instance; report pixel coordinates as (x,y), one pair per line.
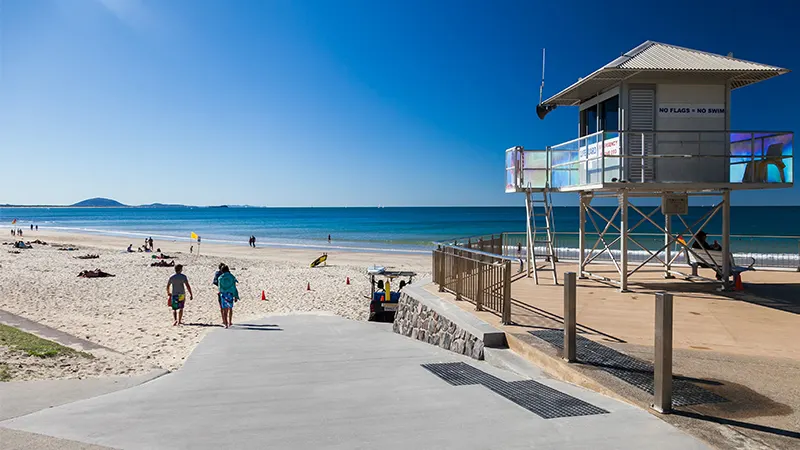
(628,369)
(537,398)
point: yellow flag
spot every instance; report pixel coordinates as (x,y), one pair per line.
(193,235)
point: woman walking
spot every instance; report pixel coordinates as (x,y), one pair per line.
(228,294)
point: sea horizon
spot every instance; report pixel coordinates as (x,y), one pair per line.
(412,229)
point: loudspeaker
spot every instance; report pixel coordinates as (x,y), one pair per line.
(543,110)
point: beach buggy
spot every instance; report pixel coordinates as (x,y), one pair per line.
(382,307)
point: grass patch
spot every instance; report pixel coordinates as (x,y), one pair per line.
(34,345)
(5,375)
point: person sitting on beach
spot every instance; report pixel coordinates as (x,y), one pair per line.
(228,294)
(163,263)
(130,248)
(701,243)
(97,273)
(176,294)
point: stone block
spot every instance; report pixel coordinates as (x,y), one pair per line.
(477,350)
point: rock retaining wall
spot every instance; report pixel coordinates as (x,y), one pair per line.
(418,321)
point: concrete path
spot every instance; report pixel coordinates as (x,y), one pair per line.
(18,398)
(307,381)
(45,332)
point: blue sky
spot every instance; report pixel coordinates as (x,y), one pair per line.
(320,103)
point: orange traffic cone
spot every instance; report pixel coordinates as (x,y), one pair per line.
(263,295)
(348,280)
(308,286)
(737,282)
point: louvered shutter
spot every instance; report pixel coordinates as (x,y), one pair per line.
(641,104)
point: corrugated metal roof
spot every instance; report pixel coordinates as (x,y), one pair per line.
(654,59)
(657,56)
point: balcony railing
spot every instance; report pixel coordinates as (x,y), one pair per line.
(679,157)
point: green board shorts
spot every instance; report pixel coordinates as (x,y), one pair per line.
(178,301)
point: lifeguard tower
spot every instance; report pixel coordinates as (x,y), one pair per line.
(654,122)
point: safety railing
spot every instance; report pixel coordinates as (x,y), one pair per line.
(729,157)
(737,157)
(767,252)
(489,243)
(481,278)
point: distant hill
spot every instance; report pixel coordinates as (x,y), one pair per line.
(99,201)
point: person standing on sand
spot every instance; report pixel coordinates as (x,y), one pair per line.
(228,294)
(329,239)
(176,294)
(216,283)
(254,242)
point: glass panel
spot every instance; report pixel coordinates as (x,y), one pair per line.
(591,120)
(610,114)
(761,158)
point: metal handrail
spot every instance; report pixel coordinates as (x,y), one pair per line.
(748,236)
(477,252)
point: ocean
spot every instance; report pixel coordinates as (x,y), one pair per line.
(409,229)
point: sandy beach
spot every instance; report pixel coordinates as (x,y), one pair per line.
(128,313)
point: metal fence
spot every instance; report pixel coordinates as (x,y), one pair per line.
(480,277)
(768,252)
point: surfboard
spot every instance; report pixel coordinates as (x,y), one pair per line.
(319,260)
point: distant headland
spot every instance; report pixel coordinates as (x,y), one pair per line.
(101,202)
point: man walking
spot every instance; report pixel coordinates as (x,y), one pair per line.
(176,294)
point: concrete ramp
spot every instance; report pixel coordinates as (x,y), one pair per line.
(306,381)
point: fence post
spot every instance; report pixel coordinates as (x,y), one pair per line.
(442,269)
(481,287)
(435,265)
(662,382)
(459,275)
(569,317)
(506,319)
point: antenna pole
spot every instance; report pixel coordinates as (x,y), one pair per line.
(541,87)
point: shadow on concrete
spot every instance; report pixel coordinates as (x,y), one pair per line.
(198,324)
(256,327)
(559,319)
(737,423)
(784,297)
(649,372)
